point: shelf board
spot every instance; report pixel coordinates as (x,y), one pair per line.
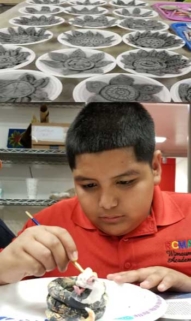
(32,156)
(37,105)
(26,202)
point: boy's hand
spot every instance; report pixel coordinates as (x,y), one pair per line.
(37,250)
(155,277)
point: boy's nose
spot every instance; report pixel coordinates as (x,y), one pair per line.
(108,201)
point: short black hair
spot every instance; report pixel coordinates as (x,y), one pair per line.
(105,126)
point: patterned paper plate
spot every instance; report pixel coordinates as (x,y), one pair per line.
(41,9)
(91,21)
(121,87)
(26,300)
(85,10)
(15,57)
(76,63)
(135,12)
(181,91)
(90,39)
(136,24)
(128,3)
(37,21)
(154,63)
(87,2)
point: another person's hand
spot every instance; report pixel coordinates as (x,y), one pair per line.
(37,250)
(158,277)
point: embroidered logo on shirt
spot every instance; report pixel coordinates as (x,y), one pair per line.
(178,251)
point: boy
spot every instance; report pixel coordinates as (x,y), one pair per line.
(120,220)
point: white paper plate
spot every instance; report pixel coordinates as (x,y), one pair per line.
(92,2)
(29,59)
(39,7)
(118,12)
(54,87)
(174,89)
(138,4)
(81,94)
(50,4)
(72,22)
(100,9)
(183,71)
(49,33)
(60,20)
(126,40)
(57,72)
(116,41)
(164,25)
(26,300)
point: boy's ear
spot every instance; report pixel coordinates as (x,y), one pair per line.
(156,167)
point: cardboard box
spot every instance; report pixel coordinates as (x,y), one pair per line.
(49,135)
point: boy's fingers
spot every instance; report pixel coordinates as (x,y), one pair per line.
(66,240)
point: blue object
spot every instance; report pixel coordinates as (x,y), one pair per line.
(35,221)
(179,28)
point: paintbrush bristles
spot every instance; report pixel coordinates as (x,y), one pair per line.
(28,214)
(78,266)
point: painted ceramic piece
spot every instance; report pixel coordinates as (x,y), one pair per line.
(76,63)
(153,40)
(142,24)
(44,2)
(121,87)
(40,9)
(154,63)
(87,2)
(135,12)
(24,35)
(89,39)
(128,3)
(94,21)
(37,21)
(14,57)
(28,86)
(85,10)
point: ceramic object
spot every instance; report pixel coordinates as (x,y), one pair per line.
(121,87)
(37,21)
(181,91)
(93,21)
(153,40)
(15,57)
(89,39)
(135,13)
(85,10)
(76,63)
(24,35)
(28,86)
(142,24)
(154,63)
(40,9)
(87,2)
(44,2)
(128,3)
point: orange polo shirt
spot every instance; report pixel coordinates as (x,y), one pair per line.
(164,238)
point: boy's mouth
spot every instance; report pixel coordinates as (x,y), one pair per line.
(111,219)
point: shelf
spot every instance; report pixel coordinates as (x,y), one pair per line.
(32,156)
(48,104)
(26,202)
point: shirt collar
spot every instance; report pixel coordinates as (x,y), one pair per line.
(164,212)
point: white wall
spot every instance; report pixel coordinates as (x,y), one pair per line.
(181,180)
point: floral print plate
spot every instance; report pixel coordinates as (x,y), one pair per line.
(153,40)
(181,91)
(15,57)
(86,38)
(76,63)
(41,9)
(37,21)
(135,13)
(85,10)
(91,21)
(154,63)
(142,24)
(121,87)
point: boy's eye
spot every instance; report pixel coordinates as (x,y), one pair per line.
(126,182)
(91,185)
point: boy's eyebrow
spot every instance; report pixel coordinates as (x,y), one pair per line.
(127,173)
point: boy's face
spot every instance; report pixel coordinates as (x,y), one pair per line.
(114,190)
